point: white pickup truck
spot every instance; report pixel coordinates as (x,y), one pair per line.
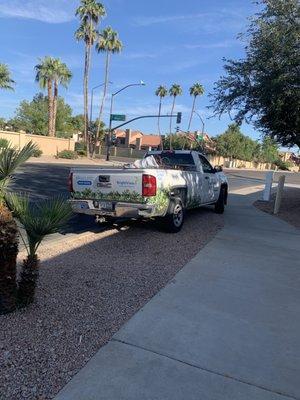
(173,182)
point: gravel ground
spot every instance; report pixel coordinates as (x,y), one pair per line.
(290,206)
(87,290)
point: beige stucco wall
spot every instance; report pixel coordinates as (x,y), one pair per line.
(49,145)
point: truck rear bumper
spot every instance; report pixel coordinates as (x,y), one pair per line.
(112,208)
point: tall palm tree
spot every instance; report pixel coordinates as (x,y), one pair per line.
(174,91)
(161,92)
(51,72)
(196,90)
(108,43)
(5,78)
(62,76)
(44,76)
(38,220)
(90,13)
(10,160)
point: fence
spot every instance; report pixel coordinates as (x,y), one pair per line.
(214,160)
(49,145)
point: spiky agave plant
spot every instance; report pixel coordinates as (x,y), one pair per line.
(38,220)
(10,160)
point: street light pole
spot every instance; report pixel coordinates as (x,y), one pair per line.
(92,98)
(201,120)
(110,114)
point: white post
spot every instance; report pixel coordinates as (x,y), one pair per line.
(268,186)
(279,193)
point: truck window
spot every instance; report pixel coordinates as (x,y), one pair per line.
(207,168)
(174,159)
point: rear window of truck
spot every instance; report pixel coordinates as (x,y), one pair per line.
(169,159)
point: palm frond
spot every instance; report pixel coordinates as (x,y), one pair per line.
(11,159)
(39,219)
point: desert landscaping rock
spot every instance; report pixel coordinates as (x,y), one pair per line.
(88,289)
(290,206)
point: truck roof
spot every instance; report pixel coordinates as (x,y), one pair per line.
(172,151)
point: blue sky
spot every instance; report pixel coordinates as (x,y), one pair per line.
(165,42)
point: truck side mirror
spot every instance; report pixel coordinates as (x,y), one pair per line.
(218,168)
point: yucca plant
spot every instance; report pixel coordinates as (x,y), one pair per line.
(10,160)
(38,220)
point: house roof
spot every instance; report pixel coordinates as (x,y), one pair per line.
(150,140)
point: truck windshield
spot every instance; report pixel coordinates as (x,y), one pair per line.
(173,159)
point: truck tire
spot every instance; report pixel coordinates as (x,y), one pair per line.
(174,219)
(220,204)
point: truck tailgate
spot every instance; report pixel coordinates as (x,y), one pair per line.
(107,180)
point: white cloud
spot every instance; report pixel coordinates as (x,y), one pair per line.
(139,55)
(147,21)
(217,45)
(211,22)
(55,11)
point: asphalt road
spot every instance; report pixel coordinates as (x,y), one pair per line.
(41,181)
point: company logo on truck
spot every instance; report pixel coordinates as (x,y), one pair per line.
(84,183)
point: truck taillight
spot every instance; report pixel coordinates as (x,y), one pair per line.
(70,182)
(149,185)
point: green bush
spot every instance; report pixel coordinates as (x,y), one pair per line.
(69,154)
(3,143)
(80,146)
(64,135)
(37,153)
(283,165)
(81,153)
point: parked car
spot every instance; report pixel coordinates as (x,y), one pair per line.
(163,185)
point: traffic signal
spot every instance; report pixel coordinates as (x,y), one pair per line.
(113,137)
(178,119)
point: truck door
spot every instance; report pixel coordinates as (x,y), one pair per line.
(210,181)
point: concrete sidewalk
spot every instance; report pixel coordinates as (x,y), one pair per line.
(226,328)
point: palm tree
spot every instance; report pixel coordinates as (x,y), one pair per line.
(89,13)
(196,90)
(161,92)
(108,43)
(62,76)
(174,91)
(10,160)
(49,73)
(44,76)
(38,220)
(5,79)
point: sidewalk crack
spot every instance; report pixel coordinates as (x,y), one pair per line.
(206,369)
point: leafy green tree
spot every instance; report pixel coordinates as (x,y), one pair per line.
(196,90)
(174,92)
(160,92)
(264,86)
(6,81)
(89,12)
(233,144)
(51,72)
(32,116)
(108,43)
(268,150)
(2,123)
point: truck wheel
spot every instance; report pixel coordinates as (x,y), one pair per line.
(220,204)
(174,219)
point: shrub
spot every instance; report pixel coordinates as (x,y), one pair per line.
(82,153)
(80,146)
(3,143)
(283,165)
(37,153)
(69,154)
(64,135)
